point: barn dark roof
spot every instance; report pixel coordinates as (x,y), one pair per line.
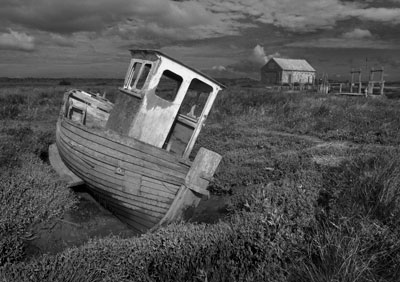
(293,64)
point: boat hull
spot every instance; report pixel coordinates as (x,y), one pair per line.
(143,185)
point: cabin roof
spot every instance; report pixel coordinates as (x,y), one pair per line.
(156,52)
(293,64)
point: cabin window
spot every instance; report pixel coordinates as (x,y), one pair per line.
(189,113)
(139,74)
(168,85)
(195,99)
(134,73)
(76,114)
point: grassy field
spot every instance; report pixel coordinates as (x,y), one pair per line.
(312,182)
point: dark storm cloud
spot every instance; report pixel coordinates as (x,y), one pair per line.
(64,16)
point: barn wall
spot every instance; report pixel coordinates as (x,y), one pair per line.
(270,77)
(271,73)
(298,77)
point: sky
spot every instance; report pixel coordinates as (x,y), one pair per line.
(224,38)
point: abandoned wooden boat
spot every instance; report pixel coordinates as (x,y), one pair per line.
(135,153)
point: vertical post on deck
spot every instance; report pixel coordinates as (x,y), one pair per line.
(382,82)
(371,82)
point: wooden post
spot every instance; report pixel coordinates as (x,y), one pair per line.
(323,87)
(352,80)
(326,84)
(371,82)
(371,86)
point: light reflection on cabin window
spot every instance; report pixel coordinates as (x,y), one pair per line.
(169,85)
(143,77)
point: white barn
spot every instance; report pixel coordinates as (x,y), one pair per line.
(281,71)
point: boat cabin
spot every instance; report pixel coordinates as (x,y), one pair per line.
(162,103)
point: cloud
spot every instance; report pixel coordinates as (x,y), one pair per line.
(259,56)
(126,18)
(388,15)
(343,43)
(165,22)
(61,41)
(188,29)
(357,33)
(357,38)
(66,16)
(304,15)
(16,41)
(226,73)
(219,68)
(254,61)
(176,21)
(295,15)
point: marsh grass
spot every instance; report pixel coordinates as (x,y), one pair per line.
(30,193)
(353,119)
(320,207)
(350,250)
(357,222)
(367,185)
(241,249)
(29,190)
(28,103)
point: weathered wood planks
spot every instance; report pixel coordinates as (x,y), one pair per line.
(138,187)
(61,168)
(113,184)
(113,156)
(126,145)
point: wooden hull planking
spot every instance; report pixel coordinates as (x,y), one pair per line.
(138,187)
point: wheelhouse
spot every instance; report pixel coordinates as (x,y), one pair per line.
(162,103)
